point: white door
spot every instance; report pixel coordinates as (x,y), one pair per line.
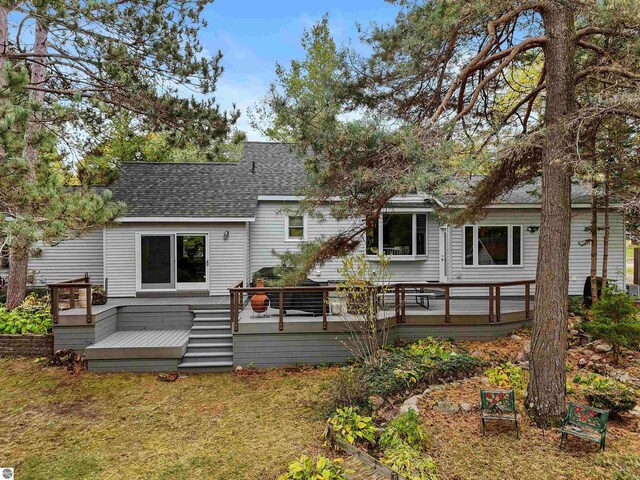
(444,253)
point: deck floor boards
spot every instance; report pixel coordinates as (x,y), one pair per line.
(140,344)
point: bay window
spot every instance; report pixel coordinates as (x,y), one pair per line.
(398,235)
(493,245)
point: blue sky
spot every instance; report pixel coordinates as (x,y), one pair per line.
(253,35)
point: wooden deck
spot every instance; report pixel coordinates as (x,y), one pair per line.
(145,344)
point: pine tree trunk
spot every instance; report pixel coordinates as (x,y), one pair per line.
(547,385)
(4,45)
(20,244)
(594,239)
(605,238)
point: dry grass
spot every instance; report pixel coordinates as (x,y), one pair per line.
(89,426)
(463,454)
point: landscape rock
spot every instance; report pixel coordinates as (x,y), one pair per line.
(527,346)
(376,400)
(477,353)
(413,400)
(406,408)
(238,368)
(635,411)
(596,358)
(521,357)
(586,352)
(516,337)
(574,332)
(466,407)
(582,362)
(603,348)
(449,408)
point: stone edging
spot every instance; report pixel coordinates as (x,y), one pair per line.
(26,345)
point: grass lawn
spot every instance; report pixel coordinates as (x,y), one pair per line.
(88,426)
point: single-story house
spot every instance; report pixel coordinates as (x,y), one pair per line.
(195,230)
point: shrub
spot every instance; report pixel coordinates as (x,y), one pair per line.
(431,348)
(322,468)
(349,425)
(349,389)
(508,376)
(410,463)
(607,393)
(614,318)
(576,306)
(456,366)
(33,316)
(404,430)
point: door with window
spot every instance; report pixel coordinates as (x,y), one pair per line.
(173,262)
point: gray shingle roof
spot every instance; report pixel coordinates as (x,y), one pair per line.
(232,189)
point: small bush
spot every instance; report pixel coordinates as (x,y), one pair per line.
(32,317)
(455,367)
(350,388)
(615,320)
(349,425)
(410,463)
(431,348)
(576,306)
(321,468)
(607,393)
(404,430)
(508,376)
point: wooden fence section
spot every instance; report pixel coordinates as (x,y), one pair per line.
(318,301)
(69,291)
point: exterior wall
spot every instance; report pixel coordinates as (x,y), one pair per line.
(226,257)
(267,235)
(69,259)
(579,260)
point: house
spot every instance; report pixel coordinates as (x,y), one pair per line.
(193,231)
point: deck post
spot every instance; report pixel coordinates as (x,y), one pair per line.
(281,311)
(527,301)
(497,304)
(397,304)
(324,309)
(72,297)
(447,305)
(403,301)
(55,308)
(89,302)
(491,300)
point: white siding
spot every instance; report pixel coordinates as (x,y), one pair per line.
(67,260)
(579,260)
(267,235)
(226,257)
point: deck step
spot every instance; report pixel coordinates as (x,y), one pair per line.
(210,327)
(210,339)
(210,312)
(205,367)
(216,346)
(207,354)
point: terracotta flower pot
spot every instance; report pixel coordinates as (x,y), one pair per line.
(260,301)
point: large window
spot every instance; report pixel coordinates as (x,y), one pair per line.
(493,245)
(400,234)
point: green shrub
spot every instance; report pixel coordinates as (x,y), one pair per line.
(404,430)
(321,468)
(614,318)
(431,348)
(33,316)
(349,425)
(576,306)
(508,376)
(411,463)
(607,393)
(455,367)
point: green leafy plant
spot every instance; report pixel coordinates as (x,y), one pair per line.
(508,376)
(607,393)
(33,316)
(614,319)
(431,348)
(408,376)
(348,424)
(322,468)
(404,430)
(575,306)
(410,463)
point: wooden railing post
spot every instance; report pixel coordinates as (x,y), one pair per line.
(55,308)
(497,304)
(89,302)
(527,301)
(447,305)
(403,293)
(397,307)
(324,309)
(281,311)
(72,298)
(491,300)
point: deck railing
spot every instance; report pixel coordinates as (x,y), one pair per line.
(65,295)
(321,300)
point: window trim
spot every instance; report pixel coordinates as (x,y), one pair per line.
(414,237)
(305,225)
(510,263)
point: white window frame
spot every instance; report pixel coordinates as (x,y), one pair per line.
(414,237)
(510,263)
(305,229)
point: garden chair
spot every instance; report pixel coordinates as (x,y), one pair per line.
(585,422)
(498,405)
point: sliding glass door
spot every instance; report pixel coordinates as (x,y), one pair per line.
(173,262)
